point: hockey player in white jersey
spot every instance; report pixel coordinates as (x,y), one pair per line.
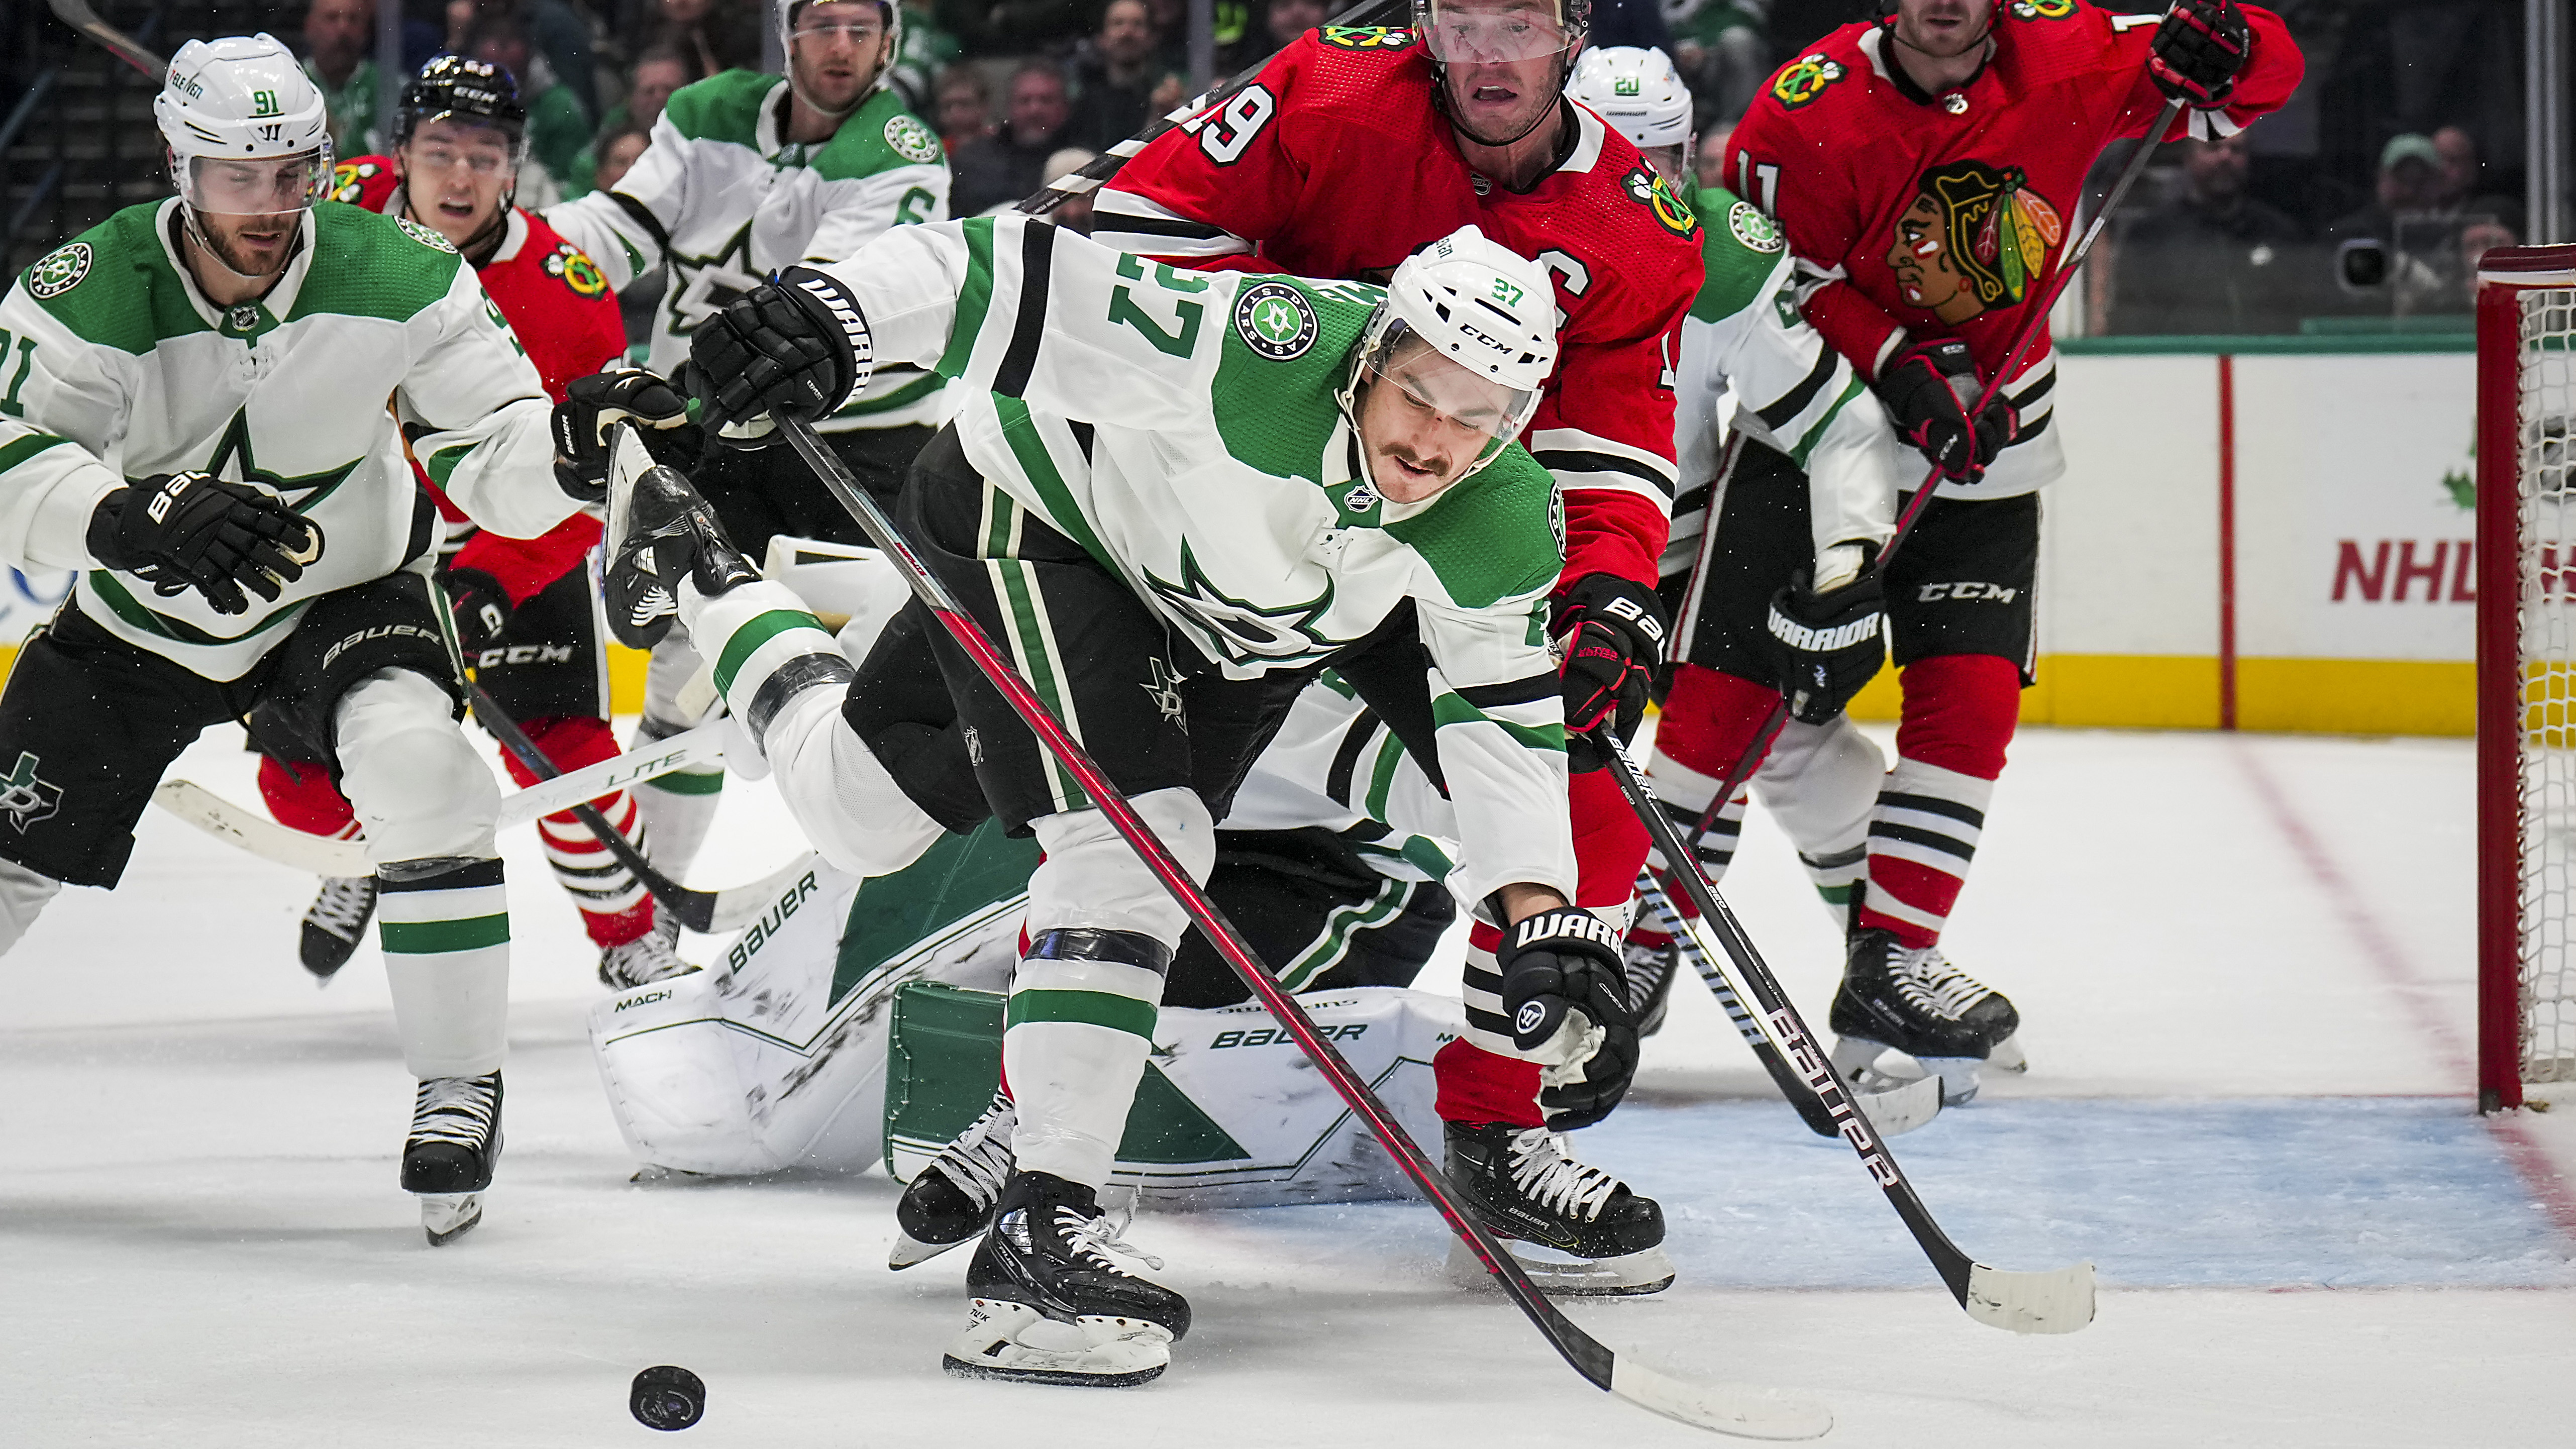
(198,422)
(747,173)
(1174,497)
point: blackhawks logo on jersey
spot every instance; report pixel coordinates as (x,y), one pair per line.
(1366,37)
(573,266)
(2042,9)
(57,272)
(1973,239)
(1648,190)
(1804,79)
(349,180)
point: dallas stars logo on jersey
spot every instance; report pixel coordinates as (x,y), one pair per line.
(26,796)
(701,286)
(1242,631)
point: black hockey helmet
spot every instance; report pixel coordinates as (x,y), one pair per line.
(452,87)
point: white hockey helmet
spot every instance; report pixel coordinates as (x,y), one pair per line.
(1637,91)
(783,15)
(1485,309)
(242,98)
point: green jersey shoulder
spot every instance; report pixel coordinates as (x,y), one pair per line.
(1496,535)
(1743,248)
(881,135)
(1280,337)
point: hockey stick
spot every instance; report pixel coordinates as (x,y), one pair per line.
(1894,1112)
(322,855)
(2068,262)
(706,912)
(1104,166)
(1751,1413)
(78,15)
(2060,1301)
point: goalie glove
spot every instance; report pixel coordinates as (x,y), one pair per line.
(1825,646)
(1568,997)
(627,395)
(1927,390)
(1610,633)
(182,531)
(2199,50)
(796,346)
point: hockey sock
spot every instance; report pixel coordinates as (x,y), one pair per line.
(1480,1077)
(302,797)
(1960,710)
(445,926)
(614,906)
(1708,720)
(680,806)
(1820,785)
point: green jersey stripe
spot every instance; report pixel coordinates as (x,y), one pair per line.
(1449,710)
(739,648)
(179,630)
(1083,1008)
(1030,451)
(1824,424)
(973,299)
(431,938)
(27,447)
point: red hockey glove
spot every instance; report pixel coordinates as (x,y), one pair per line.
(1928,389)
(1611,633)
(2199,50)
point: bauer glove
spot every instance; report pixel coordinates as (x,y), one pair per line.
(1927,390)
(1824,647)
(2199,50)
(627,395)
(182,531)
(797,346)
(1567,995)
(1610,634)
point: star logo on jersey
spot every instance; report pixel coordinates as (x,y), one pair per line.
(911,139)
(1164,689)
(58,271)
(424,235)
(28,797)
(1758,233)
(1973,239)
(1648,190)
(1275,320)
(234,452)
(1802,80)
(701,286)
(1238,630)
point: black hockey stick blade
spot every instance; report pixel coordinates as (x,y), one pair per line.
(1894,1112)
(78,15)
(1744,1412)
(2060,1301)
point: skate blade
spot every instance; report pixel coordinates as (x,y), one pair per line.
(1858,1058)
(909,1250)
(1627,1275)
(447,1216)
(2007,1056)
(1014,1341)
(1900,1110)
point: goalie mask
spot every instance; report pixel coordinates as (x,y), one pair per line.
(793,18)
(1488,317)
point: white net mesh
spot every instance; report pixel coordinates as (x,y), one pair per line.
(2546,433)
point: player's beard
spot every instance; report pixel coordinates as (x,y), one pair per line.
(225,245)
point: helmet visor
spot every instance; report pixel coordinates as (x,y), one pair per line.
(1450,394)
(264,186)
(1493,30)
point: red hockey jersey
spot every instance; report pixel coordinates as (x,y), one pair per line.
(1335,162)
(1934,216)
(559,306)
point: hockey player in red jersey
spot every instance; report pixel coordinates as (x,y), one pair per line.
(1927,168)
(1353,148)
(524,611)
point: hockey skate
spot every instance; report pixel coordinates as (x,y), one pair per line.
(1051,1306)
(447,1160)
(1603,1239)
(660,531)
(951,1200)
(1895,998)
(653,956)
(335,923)
(1650,981)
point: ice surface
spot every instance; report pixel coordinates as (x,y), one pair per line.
(2244,965)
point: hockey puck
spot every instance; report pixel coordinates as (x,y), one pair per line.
(667,1396)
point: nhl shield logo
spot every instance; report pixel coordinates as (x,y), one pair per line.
(58,271)
(1275,320)
(26,796)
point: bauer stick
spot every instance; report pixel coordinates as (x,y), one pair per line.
(1778,719)
(1750,1413)
(1894,1112)
(2059,1301)
(705,912)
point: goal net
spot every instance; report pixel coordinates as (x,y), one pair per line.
(2526,671)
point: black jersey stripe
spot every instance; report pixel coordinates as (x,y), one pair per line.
(1928,839)
(1037,262)
(1575,460)
(2038,390)
(1934,805)
(1346,760)
(1786,408)
(471,876)
(1112,222)
(1082,435)
(1526,690)
(643,216)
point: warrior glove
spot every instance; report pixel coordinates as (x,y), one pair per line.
(2199,51)
(795,347)
(626,395)
(1928,389)
(182,531)
(1568,998)
(1610,635)
(1824,647)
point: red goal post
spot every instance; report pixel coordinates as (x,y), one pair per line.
(2526,671)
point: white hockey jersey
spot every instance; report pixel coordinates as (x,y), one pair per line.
(1182,428)
(119,368)
(725,201)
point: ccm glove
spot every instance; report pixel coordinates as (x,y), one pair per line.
(182,531)
(1611,640)
(627,395)
(482,610)
(1824,647)
(2199,51)
(1568,997)
(1928,389)
(797,346)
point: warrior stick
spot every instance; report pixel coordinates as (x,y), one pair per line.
(1751,1413)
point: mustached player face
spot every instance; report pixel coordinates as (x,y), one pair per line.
(1499,62)
(454,176)
(250,210)
(1424,420)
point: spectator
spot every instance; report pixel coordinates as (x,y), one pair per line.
(558,127)
(2455,189)
(554,32)
(618,149)
(1231,27)
(720,39)
(2410,168)
(1075,214)
(927,49)
(659,71)
(1708,162)
(2432,242)
(1723,53)
(1281,22)
(1118,75)
(1011,163)
(338,36)
(965,107)
(2212,260)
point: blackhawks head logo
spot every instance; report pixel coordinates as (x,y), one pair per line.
(1973,240)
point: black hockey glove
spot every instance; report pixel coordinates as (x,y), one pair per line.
(482,610)
(1928,389)
(627,395)
(1610,635)
(182,531)
(1567,994)
(2199,51)
(1824,647)
(796,346)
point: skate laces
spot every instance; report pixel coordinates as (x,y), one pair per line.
(1544,1174)
(1929,983)
(344,904)
(649,957)
(455,1109)
(980,1160)
(1095,1239)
